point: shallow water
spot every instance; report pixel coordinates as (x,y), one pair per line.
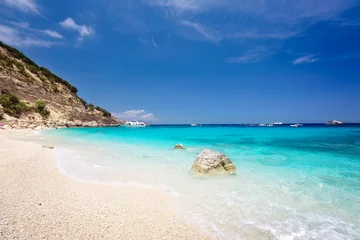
(291,183)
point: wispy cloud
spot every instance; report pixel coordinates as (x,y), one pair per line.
(26,26)
(242,59)
(153,42)
(255,55)
(305,59)
(289,9)
(250,19)
(29,6)
(14,37)
(52,33)
(207,33)
(83,30)
(135,114)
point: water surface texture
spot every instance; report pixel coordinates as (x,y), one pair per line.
(291,183)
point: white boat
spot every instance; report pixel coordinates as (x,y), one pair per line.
(135,124)
(193,125)
(296,125)
(270,125)
(277,123)
(334,122)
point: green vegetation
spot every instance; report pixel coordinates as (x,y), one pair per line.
(83,102)
(91,107)
(18,55)
(52,77)
(105,113)
(33,67)
(40,107)
(15,63)
(13,106)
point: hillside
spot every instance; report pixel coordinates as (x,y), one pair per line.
(32,96)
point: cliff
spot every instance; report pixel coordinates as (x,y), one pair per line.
(31,96)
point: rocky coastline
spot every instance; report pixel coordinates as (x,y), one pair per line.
(38,125)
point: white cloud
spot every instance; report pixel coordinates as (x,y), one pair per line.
(242,59)
(52,33)
(153,42)
(148,117)
(83,30)
(207,33)
(254,55)
(135,115)
(289,9)
(306,59)
(23,5)
(26,26)
(235,20)
(14,37)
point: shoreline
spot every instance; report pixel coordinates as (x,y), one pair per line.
(31,125)
(38,201)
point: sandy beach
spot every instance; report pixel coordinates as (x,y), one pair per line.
(38,202)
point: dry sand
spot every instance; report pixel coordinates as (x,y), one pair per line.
(38,202)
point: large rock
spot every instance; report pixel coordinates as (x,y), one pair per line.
(179,146)
(210,163)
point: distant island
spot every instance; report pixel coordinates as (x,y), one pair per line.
(33,97)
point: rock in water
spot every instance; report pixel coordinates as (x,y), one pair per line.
(179,146)
(210,163)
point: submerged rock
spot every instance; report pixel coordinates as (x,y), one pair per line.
(210,163)
(179,146)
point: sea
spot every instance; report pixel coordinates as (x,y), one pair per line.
(291,183)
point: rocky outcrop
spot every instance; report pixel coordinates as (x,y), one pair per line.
(210,163)
(30,83)
(179,146)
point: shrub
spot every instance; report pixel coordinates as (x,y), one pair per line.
(32,66)
(91,107)
(104,112)
(83,101)
(49,75)
(17,54)
(41,108)
(12,105)
(8,100)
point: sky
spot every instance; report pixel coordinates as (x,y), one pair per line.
(198,61)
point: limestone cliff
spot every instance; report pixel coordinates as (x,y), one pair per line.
(44,98)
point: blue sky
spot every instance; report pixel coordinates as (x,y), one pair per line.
(199,61)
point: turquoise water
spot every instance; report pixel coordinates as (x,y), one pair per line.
(291,183)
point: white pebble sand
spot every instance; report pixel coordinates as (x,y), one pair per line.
(38,202)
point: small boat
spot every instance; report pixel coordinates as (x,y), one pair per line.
(270,125)
(135,124)
(193,125)
(296,125)
(262,124)
(335,122)
(277,123)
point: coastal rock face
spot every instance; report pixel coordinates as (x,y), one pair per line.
(179,146)
(30,83)
(210,163)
